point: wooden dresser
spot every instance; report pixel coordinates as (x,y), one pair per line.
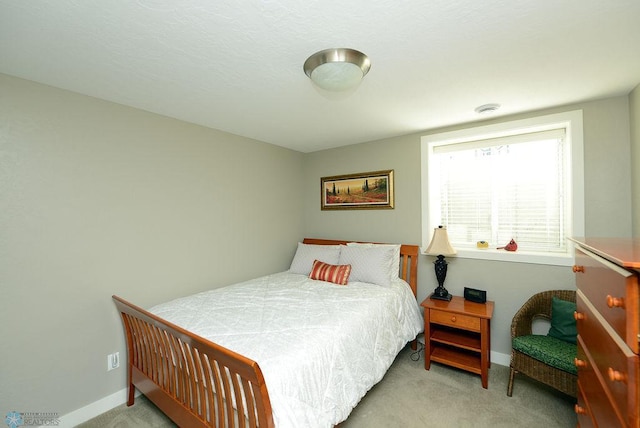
(607,271)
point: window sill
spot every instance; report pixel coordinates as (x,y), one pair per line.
(515,256)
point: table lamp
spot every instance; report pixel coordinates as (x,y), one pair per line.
(440,247)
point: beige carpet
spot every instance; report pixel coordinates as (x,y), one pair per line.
(410,396)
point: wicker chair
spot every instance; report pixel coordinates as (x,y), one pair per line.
(539,306)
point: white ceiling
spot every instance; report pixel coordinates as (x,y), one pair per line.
(236,65)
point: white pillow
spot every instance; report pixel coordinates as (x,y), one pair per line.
(369,264)
(395,264)
(306,254)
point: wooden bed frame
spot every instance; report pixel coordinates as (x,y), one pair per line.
(183,373)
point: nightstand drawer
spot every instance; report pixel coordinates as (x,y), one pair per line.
(451,319)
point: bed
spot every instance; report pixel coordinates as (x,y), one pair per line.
(295,348)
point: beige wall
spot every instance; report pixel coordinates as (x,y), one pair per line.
(99,199)
(634,114)
(607,199)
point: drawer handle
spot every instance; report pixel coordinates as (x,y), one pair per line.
(578,316)
(615,302)
(616,376)
(579,363)
(577,268)
(579,410)
(453,319)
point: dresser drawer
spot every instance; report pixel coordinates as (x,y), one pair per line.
(610,356)
(583,411)
(596,402)
(466,322)
(612,290)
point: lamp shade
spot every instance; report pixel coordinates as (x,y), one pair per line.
(337,69)
(440,244)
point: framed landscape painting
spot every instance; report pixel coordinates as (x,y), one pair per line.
(367,190)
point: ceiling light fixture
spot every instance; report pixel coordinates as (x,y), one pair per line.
(337,69)
(487,108)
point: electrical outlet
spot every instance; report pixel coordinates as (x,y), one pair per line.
(113,361)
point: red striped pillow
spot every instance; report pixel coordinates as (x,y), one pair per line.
(338,274)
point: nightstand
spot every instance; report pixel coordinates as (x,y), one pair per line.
(457,333)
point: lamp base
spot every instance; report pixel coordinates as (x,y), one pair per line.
(446,297)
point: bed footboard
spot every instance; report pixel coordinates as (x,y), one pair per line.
(195,382)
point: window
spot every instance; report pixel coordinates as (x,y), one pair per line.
(518,180)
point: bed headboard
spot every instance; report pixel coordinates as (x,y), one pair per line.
(408,259)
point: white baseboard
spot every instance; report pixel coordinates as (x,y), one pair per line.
(94,409)
(500,359)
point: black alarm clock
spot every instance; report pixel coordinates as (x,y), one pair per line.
(473,295)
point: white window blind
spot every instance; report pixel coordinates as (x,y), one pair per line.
(498,189)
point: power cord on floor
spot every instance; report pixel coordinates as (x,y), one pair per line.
(416,355)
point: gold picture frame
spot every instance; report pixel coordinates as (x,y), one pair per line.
(366,190)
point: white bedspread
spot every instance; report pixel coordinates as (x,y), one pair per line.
(320,346)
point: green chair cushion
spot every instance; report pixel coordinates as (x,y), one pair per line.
(550,350)
(563,325)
